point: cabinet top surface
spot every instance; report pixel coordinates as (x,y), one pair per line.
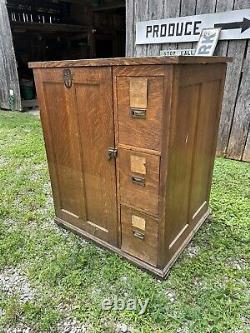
(159,60)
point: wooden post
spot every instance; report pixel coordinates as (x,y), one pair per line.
(8,69)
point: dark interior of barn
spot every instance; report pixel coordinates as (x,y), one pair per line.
(58,30)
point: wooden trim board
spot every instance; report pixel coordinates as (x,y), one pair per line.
(159,60)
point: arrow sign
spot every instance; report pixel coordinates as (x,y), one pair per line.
(243,25)
(234,25)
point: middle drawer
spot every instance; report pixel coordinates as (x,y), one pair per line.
(139,180)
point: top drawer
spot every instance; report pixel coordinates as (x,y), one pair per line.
(139,108)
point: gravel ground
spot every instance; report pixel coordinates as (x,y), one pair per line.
(13,282)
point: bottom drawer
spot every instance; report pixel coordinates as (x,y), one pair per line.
(139,235)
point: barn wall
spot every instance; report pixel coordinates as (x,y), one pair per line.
(234,132)
(8,70)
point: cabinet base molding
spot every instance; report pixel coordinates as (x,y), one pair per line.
(159,273)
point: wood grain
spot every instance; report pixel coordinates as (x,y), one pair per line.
(223,6)
(62,145)
(146,204)
(194,124)
(241,120)
(230,95)
(128,61)
(145,249)
(246,154)
(170,9)
(143,197)
(188,8)
(142,133)
(130,31)
(8,67)
(155,11)
(93,92)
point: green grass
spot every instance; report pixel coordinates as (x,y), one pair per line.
(206,291)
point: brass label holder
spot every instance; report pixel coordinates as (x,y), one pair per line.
(138,113)
(138,180)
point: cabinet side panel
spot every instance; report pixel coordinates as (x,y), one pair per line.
(180,162)
(203,154)
(195,112)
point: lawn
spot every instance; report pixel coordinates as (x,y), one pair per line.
(53,281)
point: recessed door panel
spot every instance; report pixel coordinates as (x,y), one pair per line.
(61,133)
(77,116)
(93,91)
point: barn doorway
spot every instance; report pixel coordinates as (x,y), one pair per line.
(64,29)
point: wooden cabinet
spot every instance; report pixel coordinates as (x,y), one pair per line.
(130,145)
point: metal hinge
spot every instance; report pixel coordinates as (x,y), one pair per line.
(112,153)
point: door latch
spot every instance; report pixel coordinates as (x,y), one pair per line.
(112,153)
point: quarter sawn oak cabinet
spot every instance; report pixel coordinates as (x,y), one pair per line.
(130,145)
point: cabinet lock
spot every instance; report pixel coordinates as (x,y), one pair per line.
(112,153)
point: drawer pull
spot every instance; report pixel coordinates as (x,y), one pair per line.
(138,180)
(138,234)
(138,113)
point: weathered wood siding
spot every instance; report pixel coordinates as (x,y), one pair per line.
(8,70)
(234,133)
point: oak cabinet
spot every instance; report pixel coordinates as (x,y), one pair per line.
(130,144)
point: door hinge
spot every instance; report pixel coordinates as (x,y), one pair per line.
(67,77)
(112,153)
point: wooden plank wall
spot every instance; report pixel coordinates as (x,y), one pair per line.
(8,70)
(234,133)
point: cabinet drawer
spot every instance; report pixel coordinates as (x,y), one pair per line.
(139,180)
(139,107)
(139,235)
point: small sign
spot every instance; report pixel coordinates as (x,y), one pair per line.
(180,52)
(207,42)
(234,25)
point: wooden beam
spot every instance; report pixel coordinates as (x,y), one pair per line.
(8,69)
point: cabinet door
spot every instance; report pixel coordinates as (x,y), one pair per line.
(61,135)
(78,129)
(94,105)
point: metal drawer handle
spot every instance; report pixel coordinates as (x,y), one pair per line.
(138,180)
(138,234)
(138,113)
